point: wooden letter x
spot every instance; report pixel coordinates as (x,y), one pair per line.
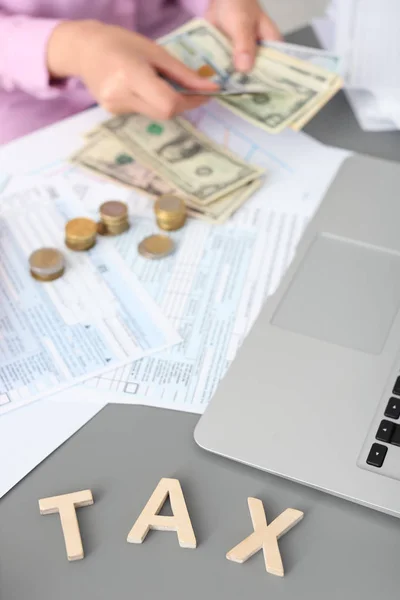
(265,536)
(150,519)
(66,505)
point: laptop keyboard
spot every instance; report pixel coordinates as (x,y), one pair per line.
(388,431)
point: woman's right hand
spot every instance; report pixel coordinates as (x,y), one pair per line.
(122,69)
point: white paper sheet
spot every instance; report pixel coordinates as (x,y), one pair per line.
(95,318)
(367,38)
(366,106)
(29,435)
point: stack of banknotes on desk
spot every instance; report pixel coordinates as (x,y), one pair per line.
(160,157)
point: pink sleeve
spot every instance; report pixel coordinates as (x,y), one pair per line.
(196,7)
(23,45)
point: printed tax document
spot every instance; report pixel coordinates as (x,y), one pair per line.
(96,317)
(212,288)
(29,435)
(214,285)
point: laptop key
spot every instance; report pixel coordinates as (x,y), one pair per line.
(395,440)
(376,455)
(396,389)
(393,408)
(385,431)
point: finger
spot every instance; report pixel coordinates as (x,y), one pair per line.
(191,102)
(242,31)
(211,14)
(153,90)
(127,102)
(162,100)
(131,103)
(267,29)
(177,71)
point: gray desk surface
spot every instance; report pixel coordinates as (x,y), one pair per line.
(338,551)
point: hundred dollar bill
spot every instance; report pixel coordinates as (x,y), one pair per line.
(289,89)
(106,156)
(182,156)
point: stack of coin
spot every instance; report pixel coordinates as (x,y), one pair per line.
(170,212)
(156,246)
(80,234)
(46,264)
(113,218)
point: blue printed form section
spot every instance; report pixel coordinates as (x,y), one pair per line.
(211,290)
(95,318)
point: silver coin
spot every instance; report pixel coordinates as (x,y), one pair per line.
(46,262)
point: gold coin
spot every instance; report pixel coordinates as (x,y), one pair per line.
(206,71)
(80,229)
(80,246)
(170,212)
(156,246)
(170,204)
(46,262)
(102,228)
(117,229)
(171,224)
(114,210)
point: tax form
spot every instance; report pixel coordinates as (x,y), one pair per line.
(95,318)
(212,288)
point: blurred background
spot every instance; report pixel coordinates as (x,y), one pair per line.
(292,14)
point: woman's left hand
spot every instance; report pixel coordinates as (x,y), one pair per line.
(244,22)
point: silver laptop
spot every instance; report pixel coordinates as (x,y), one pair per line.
(314,393)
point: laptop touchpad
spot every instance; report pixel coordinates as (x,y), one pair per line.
(345,293)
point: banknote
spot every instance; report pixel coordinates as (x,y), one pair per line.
(181,155)
(285,97)
(221,210)
(329,83)
(106,155)
(292,87)
(318,77)
(305,116)
(319,58)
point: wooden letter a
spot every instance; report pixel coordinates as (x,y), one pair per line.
(150,519)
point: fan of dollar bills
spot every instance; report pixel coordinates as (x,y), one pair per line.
(286,88)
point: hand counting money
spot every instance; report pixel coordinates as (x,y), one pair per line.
(286,88)
(294,89)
